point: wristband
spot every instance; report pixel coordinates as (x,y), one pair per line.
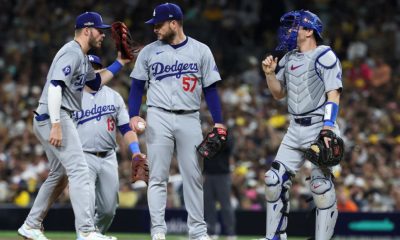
(134,146)
(115,67)
(331,111)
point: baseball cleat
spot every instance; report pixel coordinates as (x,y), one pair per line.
(158,236)
(204,237)
(94,236)
(28,233)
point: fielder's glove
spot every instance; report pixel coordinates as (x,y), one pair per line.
(124,41)
(322,156)
(213,143)
(140,168)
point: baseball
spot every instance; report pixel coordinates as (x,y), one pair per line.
(141,125)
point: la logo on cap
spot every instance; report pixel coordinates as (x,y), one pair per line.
(154,13)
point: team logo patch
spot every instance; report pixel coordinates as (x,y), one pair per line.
(215,68)
(67,70)
(339,76)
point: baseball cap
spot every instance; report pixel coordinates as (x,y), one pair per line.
(90,19)
(164,12)
(95,59)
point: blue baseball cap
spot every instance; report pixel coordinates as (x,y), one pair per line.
(90,19)
(165,12)
(95,59)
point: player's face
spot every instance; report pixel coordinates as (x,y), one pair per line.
(164,31)
(96,37)
(303,35)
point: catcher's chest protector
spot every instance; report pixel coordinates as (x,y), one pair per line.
(306,90)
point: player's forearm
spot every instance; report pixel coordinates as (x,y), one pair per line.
(132,140)
(275,86)
(110,71)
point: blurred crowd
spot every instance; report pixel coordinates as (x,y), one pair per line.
(240,33)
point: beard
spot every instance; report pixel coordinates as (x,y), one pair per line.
(168,37)
(93,43)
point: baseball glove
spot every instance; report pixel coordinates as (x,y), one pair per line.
(140,168)
(124,41)
(322,156)
(213,143)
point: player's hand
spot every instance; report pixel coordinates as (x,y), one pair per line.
(139,156)
(327,140)
(55,137)
(136,126)
(269,64)
(220,125)
(121,60)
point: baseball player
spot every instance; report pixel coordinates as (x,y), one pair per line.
(103,111)
(310,77)
(177,69)
(70,71)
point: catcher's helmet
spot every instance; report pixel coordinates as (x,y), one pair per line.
(290,23)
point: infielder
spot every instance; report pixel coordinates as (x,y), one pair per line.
(177,69)
(69,72)
(310,77)
(104,111)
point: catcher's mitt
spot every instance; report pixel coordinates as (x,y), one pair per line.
(140,168)
(124,41)
(322,156)
(213,143)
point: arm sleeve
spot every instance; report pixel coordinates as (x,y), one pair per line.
(213,102)
(135,97)
(54,102)
(124,129)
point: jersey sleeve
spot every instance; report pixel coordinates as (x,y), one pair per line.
(281,66)
(122,115)
(141,68)
(330,70)
(91,74)
(65,66)
(209,68)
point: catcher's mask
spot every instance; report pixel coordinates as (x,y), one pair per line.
(290,24)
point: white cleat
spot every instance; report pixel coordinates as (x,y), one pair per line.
(94,236)
(204,237)
(158,236)
(29,233)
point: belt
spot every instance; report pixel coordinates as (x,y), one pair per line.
(308,121)
(67,110)
(177,111)
(99,154)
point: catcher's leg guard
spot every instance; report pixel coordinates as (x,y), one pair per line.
(324,197)
(278,182)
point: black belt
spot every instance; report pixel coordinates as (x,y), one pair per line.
(99,154)
(307,121)
(67,110)
(177,111)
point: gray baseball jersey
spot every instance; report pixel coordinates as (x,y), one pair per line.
(176,76)
(72,67)
(97,123)
(307,77)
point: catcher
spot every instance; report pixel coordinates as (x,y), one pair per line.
(310,77)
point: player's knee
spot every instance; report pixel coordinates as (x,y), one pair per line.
(277,180)
(323,192)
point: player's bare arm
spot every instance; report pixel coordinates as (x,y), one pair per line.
(269,65)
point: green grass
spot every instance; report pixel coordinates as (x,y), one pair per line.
(12,235)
